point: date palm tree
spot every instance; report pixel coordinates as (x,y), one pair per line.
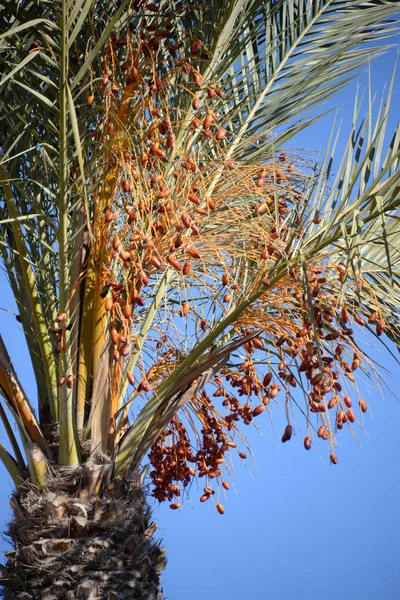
(177,272)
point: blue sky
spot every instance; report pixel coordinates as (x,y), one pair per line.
(296,527)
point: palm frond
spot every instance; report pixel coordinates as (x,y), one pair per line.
(159,234)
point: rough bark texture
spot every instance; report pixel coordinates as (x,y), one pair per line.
(83,535)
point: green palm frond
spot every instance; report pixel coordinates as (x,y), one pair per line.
(143,197)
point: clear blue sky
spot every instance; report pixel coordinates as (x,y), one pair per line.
(296,528)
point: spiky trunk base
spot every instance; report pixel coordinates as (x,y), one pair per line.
(75,542)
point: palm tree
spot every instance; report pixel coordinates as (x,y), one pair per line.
(177,272)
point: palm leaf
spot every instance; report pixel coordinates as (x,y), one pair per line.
(88,257)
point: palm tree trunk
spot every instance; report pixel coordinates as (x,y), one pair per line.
(82,535)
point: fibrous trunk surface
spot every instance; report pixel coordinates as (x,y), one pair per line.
(79,537)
